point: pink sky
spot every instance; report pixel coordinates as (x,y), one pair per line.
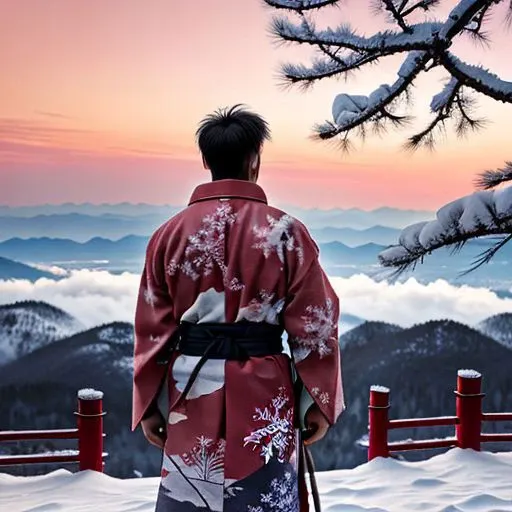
(99,102)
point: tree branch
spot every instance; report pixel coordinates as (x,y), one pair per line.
(461,15)
(466,122)
(487,255)
(385,43)
(295,74)
(345,51)
(474,216)
(424,4)
(475,26)
(299,5)
(377,101)
(390,6)
(441,103)
(478,78)
(491,179)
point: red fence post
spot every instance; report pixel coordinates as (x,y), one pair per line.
(90,429)
(378,422)
(469,409)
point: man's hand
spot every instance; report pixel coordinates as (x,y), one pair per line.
(154,428)
(316,425)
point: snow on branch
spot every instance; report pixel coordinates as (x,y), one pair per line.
(480,214)
(420,37)
(321,68)
(353,111)
(426,45)
(478,78)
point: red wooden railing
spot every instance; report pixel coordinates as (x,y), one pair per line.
(89,433)
(467,422)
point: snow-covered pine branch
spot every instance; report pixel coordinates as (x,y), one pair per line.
(483,213)
(478,78)
(354,111)
(425,45)
(388,42)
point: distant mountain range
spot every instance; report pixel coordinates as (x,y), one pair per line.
(358,219)
(117,209)
(128,252)
(393,215)
(81,228)
(57,249)
(133,247)
(419,364)
(379,235)
(82,222)
(10,269)
(339,259)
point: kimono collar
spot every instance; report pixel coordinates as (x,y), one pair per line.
(238,189)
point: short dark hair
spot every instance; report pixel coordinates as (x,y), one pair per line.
(228,138)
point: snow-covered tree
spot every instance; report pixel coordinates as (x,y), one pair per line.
(425,43)
(486,212)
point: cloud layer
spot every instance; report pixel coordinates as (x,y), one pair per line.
(95,297)
(411,302)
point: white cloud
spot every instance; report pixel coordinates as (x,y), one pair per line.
(52,269)
(93,297)
(96,297)
(411,302)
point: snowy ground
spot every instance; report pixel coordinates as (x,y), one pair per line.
(458,481)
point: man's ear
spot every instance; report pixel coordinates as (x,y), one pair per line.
(255,168)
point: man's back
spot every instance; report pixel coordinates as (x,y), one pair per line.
(227,259)
(222,280)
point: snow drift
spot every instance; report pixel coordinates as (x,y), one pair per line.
(457,481)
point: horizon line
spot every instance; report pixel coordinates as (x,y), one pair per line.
(170,205)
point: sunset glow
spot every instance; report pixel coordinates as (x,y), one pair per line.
(99,102)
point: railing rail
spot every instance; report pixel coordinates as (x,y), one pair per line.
(32,435)
(89,433)
(467,422)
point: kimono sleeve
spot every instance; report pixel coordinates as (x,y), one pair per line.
(154,326)
(311,321)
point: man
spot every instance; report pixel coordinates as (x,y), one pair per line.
(222,280)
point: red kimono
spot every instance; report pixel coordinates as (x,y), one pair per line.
(232,443)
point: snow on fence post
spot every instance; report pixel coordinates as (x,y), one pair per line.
(90,429)
(469,409)
(378,422)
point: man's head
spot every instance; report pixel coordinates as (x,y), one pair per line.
(230,141)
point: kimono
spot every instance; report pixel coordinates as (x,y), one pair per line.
(230,257)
